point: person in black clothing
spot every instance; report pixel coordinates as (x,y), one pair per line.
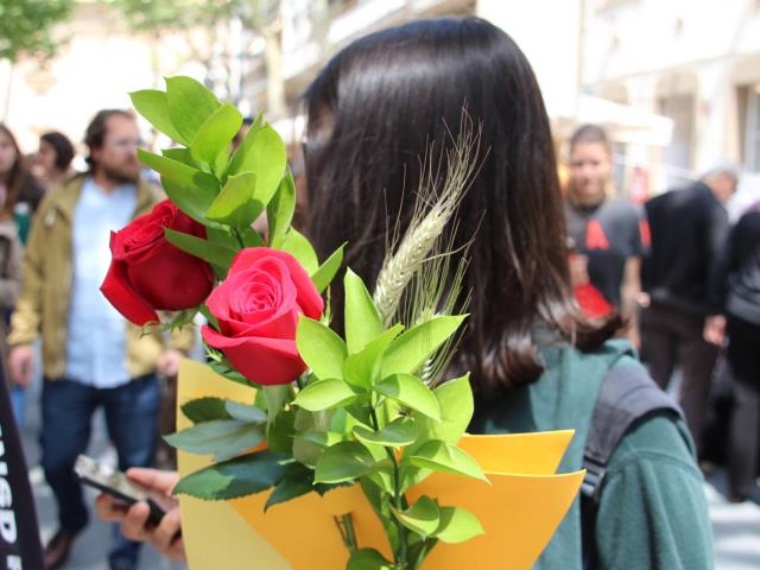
(688,228)
(736,286)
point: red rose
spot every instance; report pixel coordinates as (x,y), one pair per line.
(149,274)
(257,307)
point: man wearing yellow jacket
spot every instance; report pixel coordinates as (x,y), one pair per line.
(91,356)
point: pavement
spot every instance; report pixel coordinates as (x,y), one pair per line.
(736,526)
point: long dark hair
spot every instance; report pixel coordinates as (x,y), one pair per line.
(19,177)
(397,95)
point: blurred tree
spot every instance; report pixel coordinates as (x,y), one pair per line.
(207,25)
(25,27)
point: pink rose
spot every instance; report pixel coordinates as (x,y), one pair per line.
(258,307)
(149,274)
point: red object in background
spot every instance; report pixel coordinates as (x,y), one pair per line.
(592,302)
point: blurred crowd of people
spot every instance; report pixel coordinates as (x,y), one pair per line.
(685,280)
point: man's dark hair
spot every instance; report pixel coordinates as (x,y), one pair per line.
(98,128)
(64,149)
(391,98)
(590,134)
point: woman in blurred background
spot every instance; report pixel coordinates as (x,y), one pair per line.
(53,160)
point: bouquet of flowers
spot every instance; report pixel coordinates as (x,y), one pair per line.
(365,416)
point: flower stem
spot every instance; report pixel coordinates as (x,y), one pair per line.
(398,501)
(345,525)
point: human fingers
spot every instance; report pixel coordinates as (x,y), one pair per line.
(166,537)
(135,523)
(109,509)
(154,479)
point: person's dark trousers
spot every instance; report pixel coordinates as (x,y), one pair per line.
(131,412)
(745,441)
(673,337)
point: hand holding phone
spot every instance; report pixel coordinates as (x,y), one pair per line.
(115,483)
(166,536)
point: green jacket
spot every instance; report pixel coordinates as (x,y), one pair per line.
(43,306)
(653,513)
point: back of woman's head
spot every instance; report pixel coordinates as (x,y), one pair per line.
(390,99)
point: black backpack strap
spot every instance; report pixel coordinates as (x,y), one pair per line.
(627,395)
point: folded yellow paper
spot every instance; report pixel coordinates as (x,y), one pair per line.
(519,510)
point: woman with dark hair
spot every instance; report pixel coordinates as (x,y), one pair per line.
(54,159)
(378,109)
(381,107)
(20,193)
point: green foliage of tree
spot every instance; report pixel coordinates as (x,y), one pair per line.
(26,27)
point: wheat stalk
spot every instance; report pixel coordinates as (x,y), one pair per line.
(424,230)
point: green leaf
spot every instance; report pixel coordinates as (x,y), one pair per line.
(190,189)
(362,369)
(223,438)
(182,155)
(277,397)
(413,348)
(363,322)
(239,477)
(321,349)
(205,409)
(297,481)
(190,105)
(212,141)
(280,432)
(412,392)
(321,438)
(223,368)
(457,525)
(236,204)
(455,400)
(324,394)
(201,248)
(280,211)
(368,559)
(445,457)
(299,247)
(252,238)
(422,517)
(400,432)
(152,104)
(344,461)
(245,412)
(323,276)
(262,152)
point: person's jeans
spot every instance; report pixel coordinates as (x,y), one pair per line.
(131,412)
(671,337)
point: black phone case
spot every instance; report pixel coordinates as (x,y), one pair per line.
(156,512)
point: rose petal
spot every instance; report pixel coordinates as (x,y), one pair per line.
(308,299)
(263,361)
(170,279)
(124,298)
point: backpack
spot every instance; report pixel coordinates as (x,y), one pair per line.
(627,395)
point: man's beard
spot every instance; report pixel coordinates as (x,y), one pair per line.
(121,175)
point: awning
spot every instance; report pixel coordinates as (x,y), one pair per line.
(623,123)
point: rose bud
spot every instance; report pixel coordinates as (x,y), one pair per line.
(257,308)
(149,274)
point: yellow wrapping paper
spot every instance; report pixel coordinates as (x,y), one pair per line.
(519,510)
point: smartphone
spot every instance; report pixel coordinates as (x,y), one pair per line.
(115,483)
